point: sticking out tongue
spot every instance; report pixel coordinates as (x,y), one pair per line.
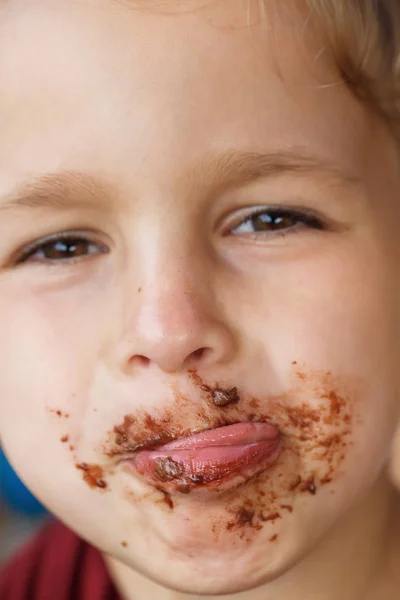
(243,449)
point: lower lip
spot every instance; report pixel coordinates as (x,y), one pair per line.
(217,458)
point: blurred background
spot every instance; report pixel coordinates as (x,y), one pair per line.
(20,513)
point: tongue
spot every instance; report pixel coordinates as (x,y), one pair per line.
(241,449)
(230,435)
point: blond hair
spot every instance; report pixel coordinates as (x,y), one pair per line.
(364,36)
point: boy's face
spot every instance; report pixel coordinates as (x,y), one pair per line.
(236,209)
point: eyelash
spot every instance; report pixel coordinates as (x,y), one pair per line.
(69,238)
(274,224)
(275,219)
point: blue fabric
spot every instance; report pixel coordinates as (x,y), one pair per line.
(14,493)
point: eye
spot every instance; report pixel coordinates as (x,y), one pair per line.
(61,248)
(277,220)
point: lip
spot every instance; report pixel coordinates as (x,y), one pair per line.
(217,458)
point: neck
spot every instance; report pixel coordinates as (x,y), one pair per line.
(357,560)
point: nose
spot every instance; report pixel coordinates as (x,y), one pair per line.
(176,325)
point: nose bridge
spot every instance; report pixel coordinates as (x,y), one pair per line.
(171,295)
(170,267)
(175,318)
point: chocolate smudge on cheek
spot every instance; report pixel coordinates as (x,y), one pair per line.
(58,413)
(271,517)
(245,516)
(309,486)
(93,475)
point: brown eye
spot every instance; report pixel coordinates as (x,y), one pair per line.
(277,220)
(62,249)
(267,222)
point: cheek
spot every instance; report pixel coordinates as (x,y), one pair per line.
(334,310)
(47,366)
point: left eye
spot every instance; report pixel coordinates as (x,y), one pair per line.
(276,220)
(60,249)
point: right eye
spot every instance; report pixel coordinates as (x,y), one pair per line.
(65,248)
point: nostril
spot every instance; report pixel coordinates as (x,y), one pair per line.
(197,354)
(140,360)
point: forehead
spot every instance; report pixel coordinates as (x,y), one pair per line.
(97,81)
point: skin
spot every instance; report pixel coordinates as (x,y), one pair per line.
(177,281)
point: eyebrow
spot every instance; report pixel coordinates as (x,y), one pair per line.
(236,169)
(71,189)
(58,191)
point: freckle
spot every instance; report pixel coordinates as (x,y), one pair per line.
(66,415)
(301,375)
(72,448)
(58,413)
(294,362)
(273,538)
(139,290)
(124,544)
(65,438)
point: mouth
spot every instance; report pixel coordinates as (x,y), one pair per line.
(218,458)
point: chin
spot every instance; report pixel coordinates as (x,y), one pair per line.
(229,580)
(216,573)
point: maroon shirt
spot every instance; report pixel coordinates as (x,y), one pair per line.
(56,565)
